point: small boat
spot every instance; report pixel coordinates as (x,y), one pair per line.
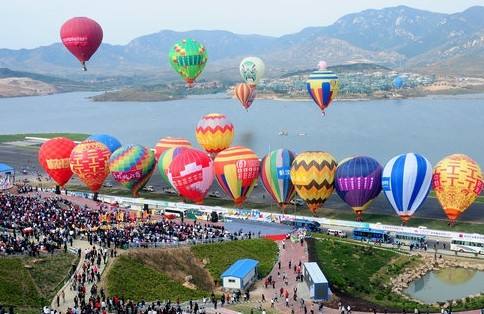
(283,133)
(302,134)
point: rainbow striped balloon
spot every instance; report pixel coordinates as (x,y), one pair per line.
(165,161)
(132,166)
(322,86)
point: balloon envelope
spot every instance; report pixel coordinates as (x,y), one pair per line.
(236,170)
(323,87)
(457,182)
(110,141)
(165,161)
(252,70)
(358,182)
(313,175)
(245,93)
(406,183)
(275,176)
(54,157)
(170,142)
(398,82)
(132,166)
(188,58)
(214,132)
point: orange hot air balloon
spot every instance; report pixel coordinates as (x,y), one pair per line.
(170,142)
(457,182)
(90,161)
(245,93)
(54,158)
(214,133)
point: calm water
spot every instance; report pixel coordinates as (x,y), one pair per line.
(435,126)
(447,284)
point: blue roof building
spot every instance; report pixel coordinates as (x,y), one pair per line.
(7,176)
(240,275)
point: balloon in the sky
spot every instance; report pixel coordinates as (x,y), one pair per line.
(54,157)
(245,93)
(236,170)
(358,182)
(406,183)
(457,182)
(214,133)
(170,142)
(313,175)
(252,70)
(322,86)
(191,173)
(110,141)
(165,161)
(275,176)
(188,58)
(322,65)
(90,161)
(398,82)
(81,36)
(132,166)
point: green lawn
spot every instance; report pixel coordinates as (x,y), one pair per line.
(221,255)
(246,309)
(134,280)
(27,284)
(20,137)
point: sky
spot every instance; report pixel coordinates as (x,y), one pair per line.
(32,23)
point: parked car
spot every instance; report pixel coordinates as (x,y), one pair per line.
(149,188)
(169,191)
(337,233)
(214,194)
(108,184)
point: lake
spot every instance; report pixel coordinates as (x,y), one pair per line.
(434,126)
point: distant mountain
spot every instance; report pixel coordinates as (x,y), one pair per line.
(395,37)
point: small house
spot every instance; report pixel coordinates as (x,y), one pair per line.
(240,275)
(316,281)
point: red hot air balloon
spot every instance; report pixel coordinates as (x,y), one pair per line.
(191,173)
(245,93)
(54,158)
(81,36)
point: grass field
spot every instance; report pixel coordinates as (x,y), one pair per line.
(246,309)
(27,284)
(222,255)
(20,137)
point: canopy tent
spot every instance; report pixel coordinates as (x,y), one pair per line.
(7,176)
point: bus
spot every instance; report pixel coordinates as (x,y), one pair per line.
(468,246)
(409,238)
(303,223)
(371,235)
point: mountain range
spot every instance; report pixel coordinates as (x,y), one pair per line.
(398,37)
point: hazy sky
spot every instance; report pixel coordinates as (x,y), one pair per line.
(30,23)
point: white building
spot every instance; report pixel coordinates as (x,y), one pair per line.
(240,275)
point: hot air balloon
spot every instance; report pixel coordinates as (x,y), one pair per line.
(54,157)
(132,166)
(457,182)
(245,93)
(406,183)
(252,70)
(170,142)
(188,58)
(110,141)
(358,182)
(275,176)
(322,86)
(90,161)
(322,65)
(236,170)
(165,161)
(313,175)
(214,133)
(191,173)
(398,82)
(81,36)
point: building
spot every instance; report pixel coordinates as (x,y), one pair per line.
(317,284)
(7,177)
(240,275)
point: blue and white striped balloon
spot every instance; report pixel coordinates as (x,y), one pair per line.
(406,181)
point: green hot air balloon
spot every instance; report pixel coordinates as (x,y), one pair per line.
(188,58)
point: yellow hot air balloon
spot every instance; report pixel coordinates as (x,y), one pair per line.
(313,174)
(214,133)
(457,182)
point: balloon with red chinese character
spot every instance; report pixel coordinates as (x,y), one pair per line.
(90,162)
(132,166)
(170,142)
(191,174)
(237,170)
(54,157)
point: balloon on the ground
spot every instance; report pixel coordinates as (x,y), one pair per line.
(165,161)
(275,176)
(188,58)
(457,182)
(54,157)
(90,162)
(81,36)
(170,142)
(191,173)
(110,141)
(358,182)
(214,133)
(322,86)
(245,93)
(132,166)
(313,175)
(252,70)
(406,182)
(236,170)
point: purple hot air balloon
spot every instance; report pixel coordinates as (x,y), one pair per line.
(358,182)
